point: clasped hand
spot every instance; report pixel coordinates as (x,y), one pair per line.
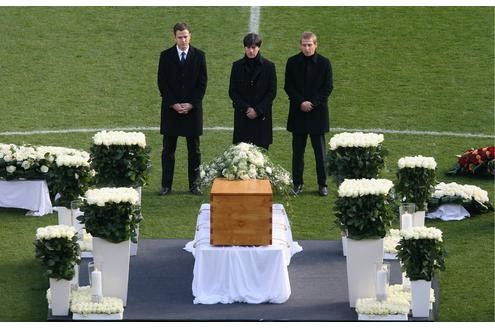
(182,108)
(307,106)
(251,113)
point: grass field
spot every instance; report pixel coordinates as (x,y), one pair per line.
(418,68)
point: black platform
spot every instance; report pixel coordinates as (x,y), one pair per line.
(160,287)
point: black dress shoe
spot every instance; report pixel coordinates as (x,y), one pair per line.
(297,189)
(195,191)
(322,190)
(165,191)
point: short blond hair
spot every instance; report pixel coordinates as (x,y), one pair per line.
(308,36)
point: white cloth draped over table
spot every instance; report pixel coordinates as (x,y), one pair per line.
(251,274)
(31,195)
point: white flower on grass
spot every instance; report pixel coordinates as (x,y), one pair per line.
(466,192)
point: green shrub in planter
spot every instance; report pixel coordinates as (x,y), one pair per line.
(416,180)
(364,208)
(421,252)
(355,156)
(120,159)
(111,213)
(57,248)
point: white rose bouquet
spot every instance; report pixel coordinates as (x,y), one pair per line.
(57,248)
(364,208)
(243,162)
(416,178)
(23,162)
(111,213)
(355,155)
(421,252)
(120,159)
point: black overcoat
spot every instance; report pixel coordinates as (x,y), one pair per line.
(255,88)
(308,80)
(182,83)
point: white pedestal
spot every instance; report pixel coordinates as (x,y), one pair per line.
(420,296)
(362,257)
(64,216)
(419,219)
(114,259)
(60,296)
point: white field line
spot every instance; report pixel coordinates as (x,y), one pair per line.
(277,129)
(254,20)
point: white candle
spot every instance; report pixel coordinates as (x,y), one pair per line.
(96,290)
(381,285)
(406,221)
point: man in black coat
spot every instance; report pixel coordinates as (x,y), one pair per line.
(253,86)
(308,83)
(182,80)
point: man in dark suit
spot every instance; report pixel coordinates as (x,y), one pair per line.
(253,86)
(308,83)
(182,80)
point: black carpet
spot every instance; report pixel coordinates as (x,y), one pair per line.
(160,287)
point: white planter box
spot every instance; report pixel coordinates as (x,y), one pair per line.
(60,296)
(362,257)
(114,259)
(390,317)
(97,316)
(344,245)
(64,216)
(420,296)
(419,219)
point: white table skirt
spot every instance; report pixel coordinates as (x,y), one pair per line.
(31,195)
(250,274)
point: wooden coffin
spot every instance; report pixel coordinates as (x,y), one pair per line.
(241,212)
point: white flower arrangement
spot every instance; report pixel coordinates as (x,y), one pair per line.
(405,293)
(86,243)
(55,231)
(243,162)
(108,138)
(393,305)
(81,303)
(356,139)
(417,161)
(466,192)
(102,196)
(391,241)
(422,233)
(360,187)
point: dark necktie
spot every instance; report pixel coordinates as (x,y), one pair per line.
(183,57)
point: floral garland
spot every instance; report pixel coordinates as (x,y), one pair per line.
(108,138)
(356,139)
(243,162)
(391,241)
(395,304)
(361,187)
(416,176)
(102,196)
(472,198)
(479,161)
(355,155)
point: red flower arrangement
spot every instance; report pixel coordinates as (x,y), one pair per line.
(479,161)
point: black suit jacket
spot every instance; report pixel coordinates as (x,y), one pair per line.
(308,80)
(257,88)
(182,83)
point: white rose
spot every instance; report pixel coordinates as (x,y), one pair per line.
(11,168)
(44,168)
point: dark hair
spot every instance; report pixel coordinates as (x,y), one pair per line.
(252,39)
(181,27)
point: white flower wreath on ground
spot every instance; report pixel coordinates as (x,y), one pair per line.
(466,192)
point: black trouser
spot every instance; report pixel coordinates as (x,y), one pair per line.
(298,148)
(168,160)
